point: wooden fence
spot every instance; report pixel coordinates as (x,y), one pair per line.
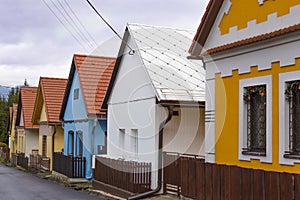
(72,167)
(22,161)
(131,176)
(40,163)
(191,177)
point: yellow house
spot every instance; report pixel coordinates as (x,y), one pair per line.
(12,129)
(46,113)
(27,133)
(251,50)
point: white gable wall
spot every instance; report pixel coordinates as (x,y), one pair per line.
(21,118)
(132,82)
(131,107)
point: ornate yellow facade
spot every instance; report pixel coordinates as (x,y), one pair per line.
(243,11)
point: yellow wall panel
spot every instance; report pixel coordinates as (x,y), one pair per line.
(227,119)
(243,11)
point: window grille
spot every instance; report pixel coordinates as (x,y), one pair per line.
(255,99)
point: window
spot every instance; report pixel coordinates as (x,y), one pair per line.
(255,119)
(44,147)
(255,100)
(289,147)
(122,141)
(292,94)
(71,143)
(80,143)
(76,93)
(134,142)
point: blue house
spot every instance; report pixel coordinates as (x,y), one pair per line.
(84,125)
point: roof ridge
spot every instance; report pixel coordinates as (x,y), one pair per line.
(157,26)
(94,56)
(53,78)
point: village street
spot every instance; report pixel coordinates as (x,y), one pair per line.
(15,185)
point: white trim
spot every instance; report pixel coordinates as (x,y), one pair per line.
(283,117)
(210,130)
(261,54)
(263,80)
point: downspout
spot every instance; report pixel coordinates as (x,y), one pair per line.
(53,135)
(160,146)
(92,146)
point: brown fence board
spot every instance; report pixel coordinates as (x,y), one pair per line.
(226,182)
(286,186)
(216,182)
(272,185)
(126,175)
(200,179)
(184,179)
(208,181)
(235,183)
(192,178)
(258,185)
(297,186)
(246,186)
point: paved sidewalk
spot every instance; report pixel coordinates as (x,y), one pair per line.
(164,197)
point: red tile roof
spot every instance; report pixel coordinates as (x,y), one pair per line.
(205,26)
(50,92)
(94,75)
(254,39)
(27,98)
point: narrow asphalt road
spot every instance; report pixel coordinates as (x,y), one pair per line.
(18,185)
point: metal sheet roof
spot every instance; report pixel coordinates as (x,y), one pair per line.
(164,53)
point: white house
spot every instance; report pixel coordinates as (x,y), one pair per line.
(155,91)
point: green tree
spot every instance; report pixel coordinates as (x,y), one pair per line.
(13,97)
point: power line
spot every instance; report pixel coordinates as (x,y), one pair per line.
(74,25)
(131,50)
(52,11)
(67,20)
(81,24)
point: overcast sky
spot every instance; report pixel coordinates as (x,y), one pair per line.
(34,43)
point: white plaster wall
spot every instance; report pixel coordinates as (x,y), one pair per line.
(32,141)
(185,132)
(138,115)
(132,105)
(253,29)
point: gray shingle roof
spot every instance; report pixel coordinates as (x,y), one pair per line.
(164,53)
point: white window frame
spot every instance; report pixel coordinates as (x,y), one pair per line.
(134,143)
(283,117)
(122,134)
(262,80)
(76,94)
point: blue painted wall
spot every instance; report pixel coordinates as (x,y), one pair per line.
(75,110)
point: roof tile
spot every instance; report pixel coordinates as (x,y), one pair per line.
(253,39)
(53,92)
(94,75)
(28,95)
